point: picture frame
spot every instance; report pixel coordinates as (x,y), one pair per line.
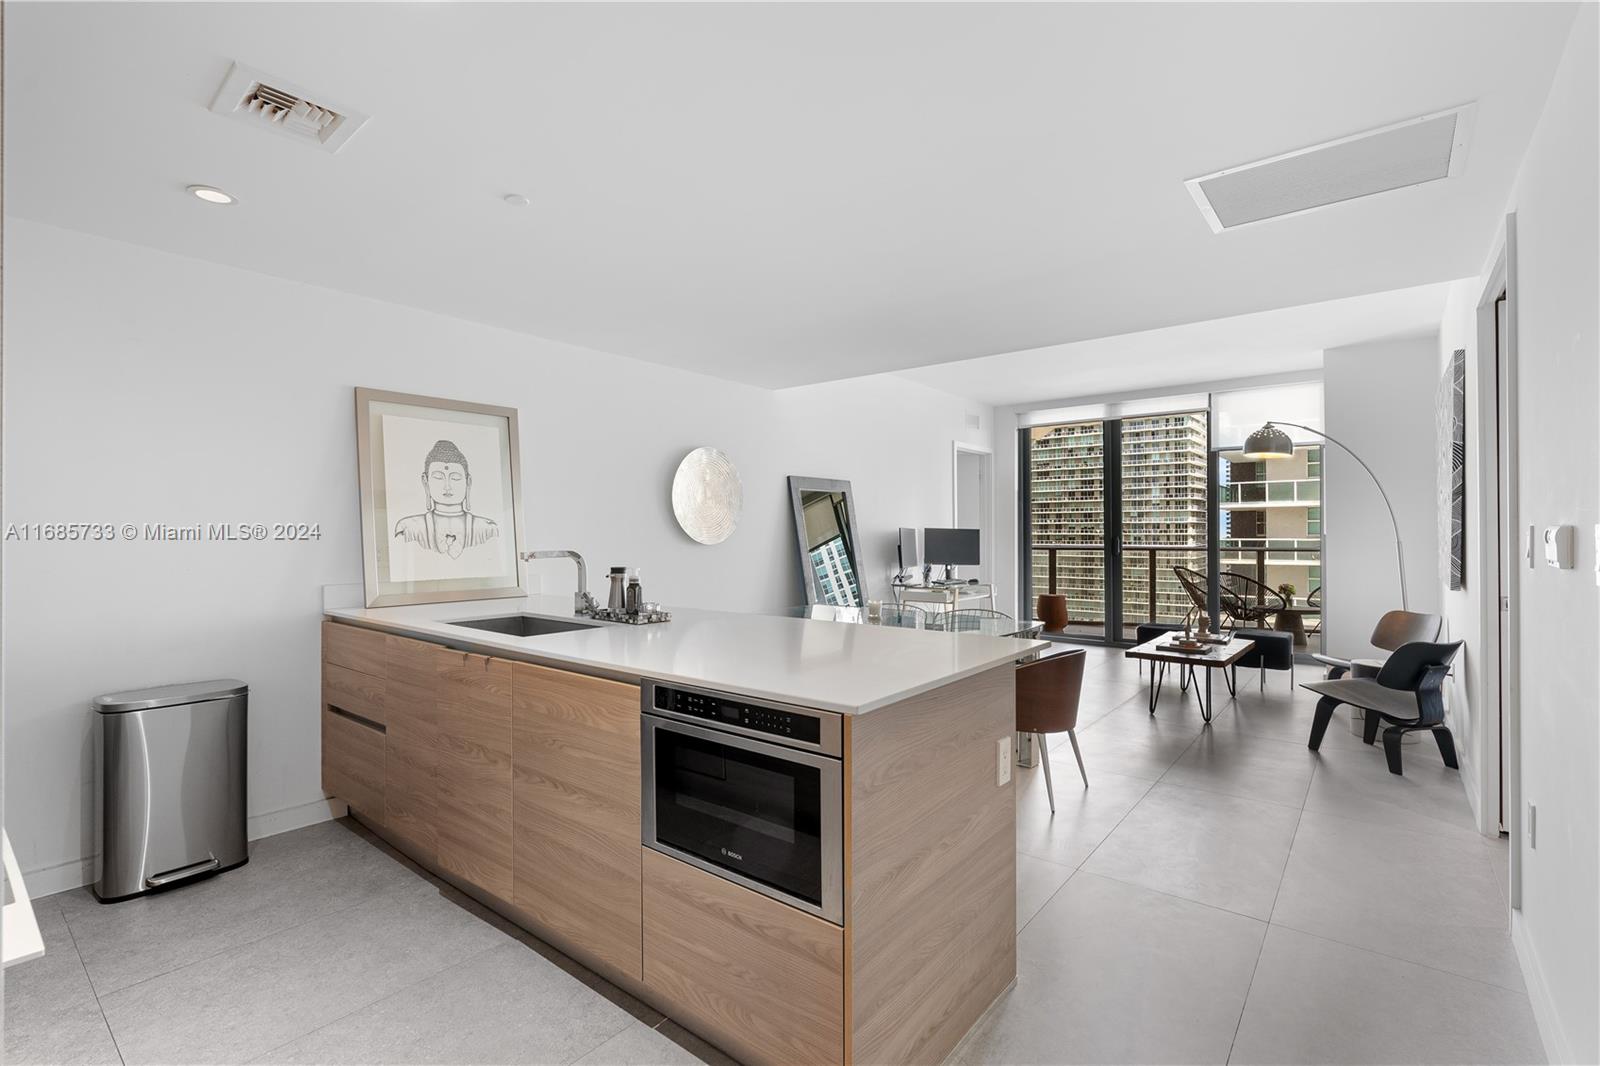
(441,499)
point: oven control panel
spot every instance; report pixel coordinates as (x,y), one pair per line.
(724,710)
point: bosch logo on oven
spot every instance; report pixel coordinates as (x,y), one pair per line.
(734,855)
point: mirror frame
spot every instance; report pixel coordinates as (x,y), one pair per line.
(799,485)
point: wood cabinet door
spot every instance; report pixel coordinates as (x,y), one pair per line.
(576,793)
(472,816)
(762,980)
(411,748)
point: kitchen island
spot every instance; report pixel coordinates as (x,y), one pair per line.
(512,767)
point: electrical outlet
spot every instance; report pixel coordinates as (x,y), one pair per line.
(1002,766)
(1533,826)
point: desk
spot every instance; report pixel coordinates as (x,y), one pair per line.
(951,596)
(897,618)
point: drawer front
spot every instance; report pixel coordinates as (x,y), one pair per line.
(357,693)
(352,763)
(353,648)
(762,980)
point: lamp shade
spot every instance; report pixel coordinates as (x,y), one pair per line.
(1268,442)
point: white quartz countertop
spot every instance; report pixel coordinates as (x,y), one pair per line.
(832,666)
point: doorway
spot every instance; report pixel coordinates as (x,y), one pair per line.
(1498,569)
(973,501)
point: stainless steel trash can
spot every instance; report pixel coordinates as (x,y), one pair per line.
(169,785)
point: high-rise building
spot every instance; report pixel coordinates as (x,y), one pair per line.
(1272,519)
(1163,501)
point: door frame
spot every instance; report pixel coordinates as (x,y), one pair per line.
(986,546)
(1498,570)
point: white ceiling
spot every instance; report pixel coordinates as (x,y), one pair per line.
(776,193)
(1197,353)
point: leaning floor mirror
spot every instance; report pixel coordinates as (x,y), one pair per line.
(824,521)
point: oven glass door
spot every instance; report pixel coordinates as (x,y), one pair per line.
(756,813)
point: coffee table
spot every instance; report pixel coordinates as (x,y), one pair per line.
(1217,657)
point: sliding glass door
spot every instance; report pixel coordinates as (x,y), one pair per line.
(1065,522)
(1163,532)
(1111,507)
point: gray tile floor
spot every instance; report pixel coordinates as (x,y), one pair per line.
(1218,894)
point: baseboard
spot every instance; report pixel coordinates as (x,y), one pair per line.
(62,877)
(275,822)
(1556,1046)
(75,873)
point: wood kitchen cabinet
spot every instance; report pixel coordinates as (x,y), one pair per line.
(472,815)
(411,750)
(354,696)
(762,980)
(575,744)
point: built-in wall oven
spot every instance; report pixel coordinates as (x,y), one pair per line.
(747,790)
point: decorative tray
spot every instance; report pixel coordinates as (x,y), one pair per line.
(606,614)
(1197,647)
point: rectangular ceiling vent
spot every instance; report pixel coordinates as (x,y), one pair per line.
(278,105)
(1407,153)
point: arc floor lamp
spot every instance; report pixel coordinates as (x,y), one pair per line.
(1270,442)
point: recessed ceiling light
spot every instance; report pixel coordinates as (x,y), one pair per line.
(211,195)
(515,199)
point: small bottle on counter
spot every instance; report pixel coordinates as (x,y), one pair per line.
(635,594)
(617,601)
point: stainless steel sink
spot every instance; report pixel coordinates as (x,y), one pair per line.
(523,625)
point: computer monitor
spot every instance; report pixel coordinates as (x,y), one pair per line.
(951,547)
(908,549)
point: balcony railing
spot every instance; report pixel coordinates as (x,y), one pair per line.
(1151,591)
(1301,490)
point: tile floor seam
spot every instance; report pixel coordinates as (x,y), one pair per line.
(1173,895)
(1413,831)
(1218,792)
(1099,843)
(1248,988)
(1396,958)
(374,1002)
(1046,903)
(223,951)
(1245,1003)
(89,979)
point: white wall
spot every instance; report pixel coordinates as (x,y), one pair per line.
(1463,621)
(1378,398)
(1557,930)
(145,387)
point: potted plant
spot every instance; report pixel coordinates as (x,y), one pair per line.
(1286,590)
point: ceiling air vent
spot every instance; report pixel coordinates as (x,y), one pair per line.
(278,105)
(1407,153)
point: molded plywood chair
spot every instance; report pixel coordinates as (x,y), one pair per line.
(1407,692)
(1048,690)
(1394,629)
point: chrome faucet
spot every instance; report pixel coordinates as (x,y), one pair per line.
(582,602)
